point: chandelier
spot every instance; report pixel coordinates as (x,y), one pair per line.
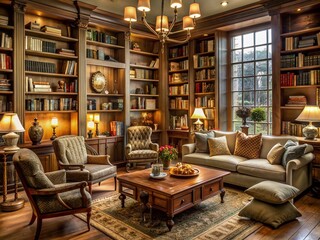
(162,29)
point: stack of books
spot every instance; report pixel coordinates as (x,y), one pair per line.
(4,20)
(5,84)
(51,30)
(297,101)
(38,86)
(65,51)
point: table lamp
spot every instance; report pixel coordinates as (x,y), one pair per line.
(310,114)
(96,120)
(10,124)
(90,127)
(198,114)
(54,124)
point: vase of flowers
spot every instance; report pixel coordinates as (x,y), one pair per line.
(167,153)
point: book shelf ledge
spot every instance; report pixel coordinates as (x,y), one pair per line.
(143,110)
(104,95)
(144,53)
(6,92)
(205,80)
(3,49)
(102,63)
(301,32)
(144,95)
(300,86)
(180,70)
(144,80)
(205,93)
(105,111)
(53,93)
(305,49)
(300,68)
(179,109)
(143,67)
(49,36)
(205,53)
(107,45)
(292,107)
(50,55)
(57,111)
(6,70)
(178,58)
(204,67)
(179,95)
(50,74)
(6,27)
(178,83)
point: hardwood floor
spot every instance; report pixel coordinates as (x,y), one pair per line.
(14,225)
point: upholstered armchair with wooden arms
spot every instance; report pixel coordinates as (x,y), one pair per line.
(140,149)
(49,193)
(82,162)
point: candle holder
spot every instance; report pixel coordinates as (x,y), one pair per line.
(90,128)
(54,124)
(96,120)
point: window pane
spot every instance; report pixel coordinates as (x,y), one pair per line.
(261,82)
(236,43)
(235,117)
(262,128)
(269,67)
(237,84)
(248,98)
(237,98)
(237,70)
(261,37)
(261,98)
(248,54)
(248,69)
(237,126)
(270,82)
(269,51)
(261,52)
(248,83)
(261,68)
(270,98)
(248,40)
(269,36)
(237,56)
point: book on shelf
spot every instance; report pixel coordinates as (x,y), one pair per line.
(36,66)
(296,101)
(206,46)
(45,104)
(65,51)
(69,67)
(33,26)
(156,46)
(4,20)
(116,128)
(150,103)
(5,61)
(5,40)
(95,35)
(5,84)
(178,51)
(209,112)
(156,63)
(91,104)
(178,122)
(51,30)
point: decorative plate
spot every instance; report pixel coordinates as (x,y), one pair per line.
(98,81)
(162,175)
(196,173)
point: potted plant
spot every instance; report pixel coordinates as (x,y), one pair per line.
(167,153)
(243,113)
(258,114)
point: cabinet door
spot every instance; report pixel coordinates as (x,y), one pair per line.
(48,162)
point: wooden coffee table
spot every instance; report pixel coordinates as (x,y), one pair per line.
(172,194)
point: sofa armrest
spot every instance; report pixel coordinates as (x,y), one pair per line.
(188,148)
(57,177)
(128,149)
(309,149)
(98,159)
(296,164)
(154,146)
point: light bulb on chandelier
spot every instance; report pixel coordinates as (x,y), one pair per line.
(163,29)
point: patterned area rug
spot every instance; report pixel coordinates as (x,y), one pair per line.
(207,220)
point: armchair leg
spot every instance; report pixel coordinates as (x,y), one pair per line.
(39,226)
(33,218)
(128,167)
(115,183)
(90,188)
(88,219)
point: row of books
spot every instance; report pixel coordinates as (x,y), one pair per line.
(5,84)
(203,61)
(5,61)
(51,30)
(5,105)
(45,104)
(204,101)
(154,63)
(69,67)
(143,103)
(95,35)
(36,44)
(142,73)
(178,51)
(4,20)
(45,86)
(5,40)
(37,66)
(300,60)
(209,112)
(179,103)
(99,54)
(292,128)
(204,87)
(206,46)
(178,77)
(205,74)
(116,128)
(177,90)
(311,77)
(298,100)
(178,122)
(291,43)
(174,66)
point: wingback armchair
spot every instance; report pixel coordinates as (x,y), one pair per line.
(82,162)
(140,149)
(48,193)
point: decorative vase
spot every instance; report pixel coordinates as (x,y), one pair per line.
(35,132)
(166,163)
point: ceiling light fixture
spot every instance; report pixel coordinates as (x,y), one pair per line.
(224,3)
(163,29)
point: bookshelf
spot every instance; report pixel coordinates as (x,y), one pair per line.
(204,63)
(144,86)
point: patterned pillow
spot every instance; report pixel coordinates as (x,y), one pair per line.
(248,146)
(293,152)
(218,146)
(202,142)
(275,154)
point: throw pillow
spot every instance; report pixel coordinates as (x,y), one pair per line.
(275,154)
(218,146)
(248,146)
(272,192)
(293,152)
(202,141)
(270,214)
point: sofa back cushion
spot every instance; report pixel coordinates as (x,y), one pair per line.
(231,138)
(269,141)
(202,141)
(248,146)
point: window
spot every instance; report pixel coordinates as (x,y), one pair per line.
(251,77)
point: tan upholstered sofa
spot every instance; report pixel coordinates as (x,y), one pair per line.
(247,172)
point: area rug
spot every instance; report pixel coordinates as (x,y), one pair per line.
(207,220)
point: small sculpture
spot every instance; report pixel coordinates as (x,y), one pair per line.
(35,132)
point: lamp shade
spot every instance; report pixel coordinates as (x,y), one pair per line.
(309,114)
(54,122)
(144,5)
(198,114)
(90,125)
(165,24)
(96,118)
(176,3)
(10,123)
(187,23)
(194,11)
(130,14)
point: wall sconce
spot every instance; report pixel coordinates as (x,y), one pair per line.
(90,127)
(54,124)
(96,120)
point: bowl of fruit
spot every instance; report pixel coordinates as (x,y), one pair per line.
(184,170)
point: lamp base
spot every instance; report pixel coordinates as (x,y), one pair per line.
(13,205)
(11,140)
(310,132)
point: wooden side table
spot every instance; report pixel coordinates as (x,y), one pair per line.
(16,203)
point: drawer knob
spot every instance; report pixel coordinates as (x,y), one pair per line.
(182,201)
(211,189)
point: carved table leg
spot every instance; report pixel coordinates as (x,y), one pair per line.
(144,199)
(222,193)
(122,197)
(170,222)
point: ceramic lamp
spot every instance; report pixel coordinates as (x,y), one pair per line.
(198,114)
(310,114)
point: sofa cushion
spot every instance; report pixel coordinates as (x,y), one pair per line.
(218,146)
(248,146)
(231,138)
(270,214)
(272,192)
(293,152)
(196,158)
(225,162)
(261,168)
(275,154)
(269,141)
(202,141)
